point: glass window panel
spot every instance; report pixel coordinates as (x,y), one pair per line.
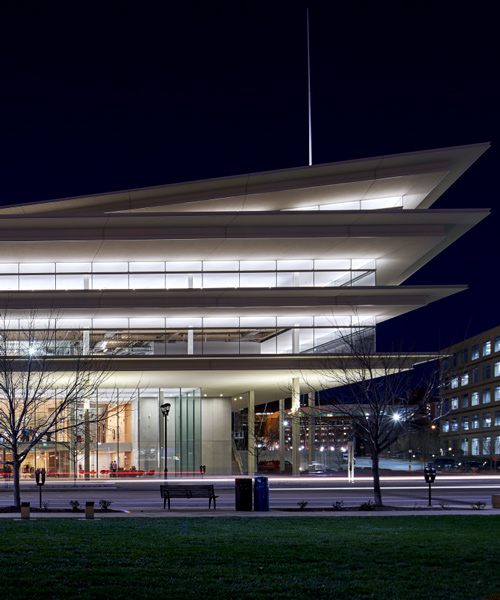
(446,426)
(9,268)
(475,422)
(292,321)
(144,323)
(285,342)
(77,323)
(464,379)
(287,280)
(454,382)
(110,282)
(497,369)
(332,321)
(475,446)
(497,344)
(475,352)
(221,280)
(497,394)
(486,445)
(295,265)
(147,266)
(486,396)
(497,418)
(258,280)
(73,267)
(149,281)
(332,264)
(9,282)
(306,339)
(486,348)
(341,278)
(257,321)
(465,401)
(37,268)
(183,265)
(454,424)
(454,403)
(110,267)
(221,322)
(37,282)
(465,423)
(257,265)
(326,278)
(487,419)
(474,399)
(363,263)
(365,279)
(110,323)
(70,282)
(221,265)
(184,322)
(178,281)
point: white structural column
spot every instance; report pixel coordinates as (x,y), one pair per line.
(295,417)
(296,339)
(282,434)
(190,341)
(312,427)
(86,333)
(251,433)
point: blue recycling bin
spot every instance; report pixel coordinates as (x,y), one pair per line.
(261,494)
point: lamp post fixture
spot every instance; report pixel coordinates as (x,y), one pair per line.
(165,409)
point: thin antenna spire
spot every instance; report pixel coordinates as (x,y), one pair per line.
(309,91)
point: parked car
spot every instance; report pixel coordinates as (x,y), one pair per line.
(316,468)
(472,465)
(443,464)
(273,466)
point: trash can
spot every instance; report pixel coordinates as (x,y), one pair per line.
(89,510)
(243,494)
(261,494)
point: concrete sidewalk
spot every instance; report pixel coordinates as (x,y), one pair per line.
(175,513)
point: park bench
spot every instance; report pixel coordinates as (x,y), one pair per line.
(188,492)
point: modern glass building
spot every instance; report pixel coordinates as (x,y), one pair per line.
(220,294)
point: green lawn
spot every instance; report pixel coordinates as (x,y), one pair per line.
(449,557)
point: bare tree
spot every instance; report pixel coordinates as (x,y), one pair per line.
(382,394)
(40,390)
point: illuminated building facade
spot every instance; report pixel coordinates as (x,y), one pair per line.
(214,295)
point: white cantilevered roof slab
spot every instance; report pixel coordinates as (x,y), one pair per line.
(418,177)
(400,241)
(379,303)
(230,376)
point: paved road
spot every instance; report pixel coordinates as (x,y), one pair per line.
(449,490)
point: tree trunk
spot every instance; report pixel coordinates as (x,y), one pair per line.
(377,492)
(16,469)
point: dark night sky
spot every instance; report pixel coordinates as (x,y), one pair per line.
(132,95)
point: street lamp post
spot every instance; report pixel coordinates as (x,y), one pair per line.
(165,409)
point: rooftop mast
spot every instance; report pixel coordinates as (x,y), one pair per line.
(309,90)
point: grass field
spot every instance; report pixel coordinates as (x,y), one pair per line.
(449,557)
